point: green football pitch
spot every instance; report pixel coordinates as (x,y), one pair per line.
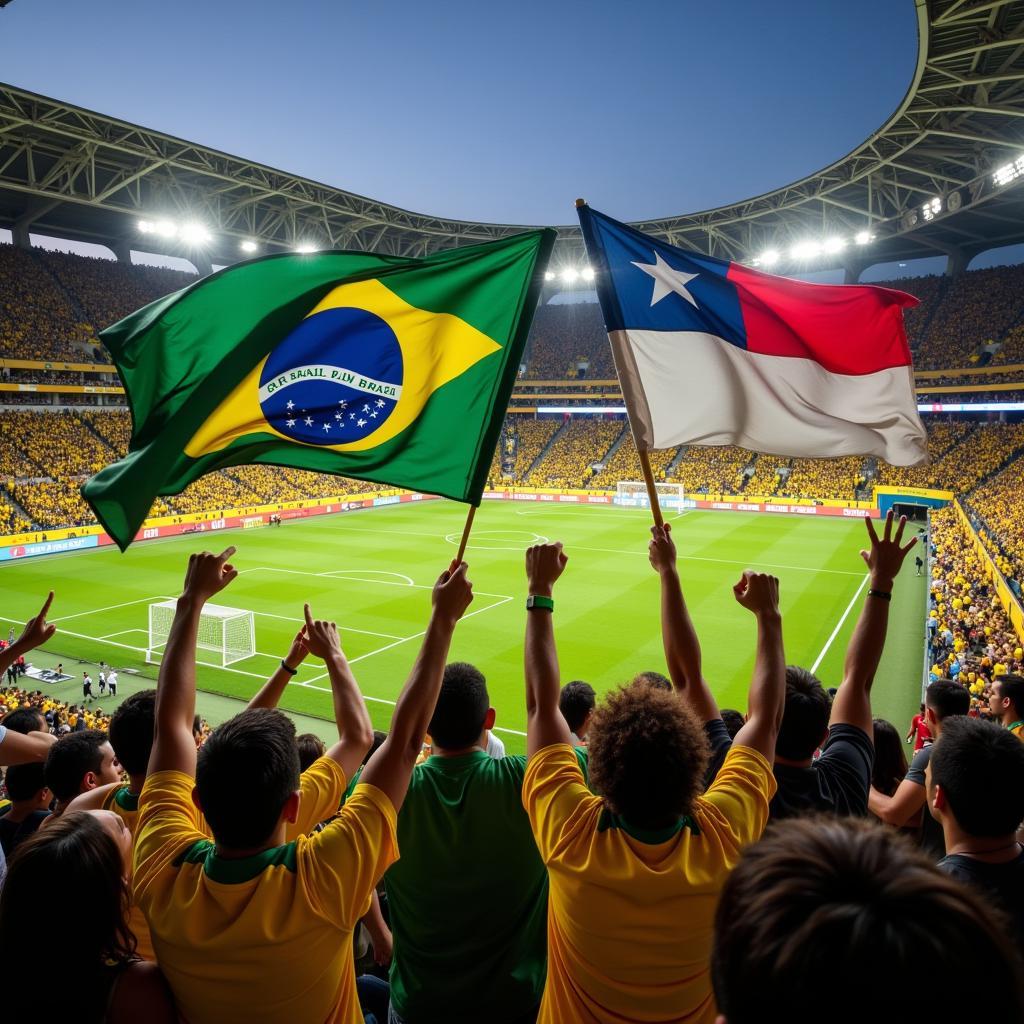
(372,572)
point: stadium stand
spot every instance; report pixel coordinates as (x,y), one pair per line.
(578,446)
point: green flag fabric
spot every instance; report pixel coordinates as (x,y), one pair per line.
(392,370)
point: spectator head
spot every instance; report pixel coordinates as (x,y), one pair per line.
(25,720)
(79,762)
(805,716)
(976,777)
(463,710)
(26,783)
(734,721)
(197,730)
(576,702)
(828,912)
(944,699)
(247,778)
(648,754)
(78,854)
(655,679)
(311,748)
(131,731)
(1006,701)
(378,739)
(890,765)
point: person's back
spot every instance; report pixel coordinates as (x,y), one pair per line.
(468,899)
(30,799)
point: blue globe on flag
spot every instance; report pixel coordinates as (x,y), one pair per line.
(335,379)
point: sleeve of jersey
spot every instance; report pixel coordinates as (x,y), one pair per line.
(555,796)
(736,805)
(344,862)
(321,786)
(168,823)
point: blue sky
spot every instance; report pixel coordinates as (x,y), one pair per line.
(501,112)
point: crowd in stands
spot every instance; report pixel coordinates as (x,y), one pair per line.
(625,465)
(996,507)
(825,478)
(652,857)
(576,448)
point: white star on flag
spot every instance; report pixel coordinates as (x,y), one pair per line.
(667,280)
(339,416)
(309,421)
(343,404)
(380,403)
(361,423)
(327,426)
(351,415)
(373,415)
(366,408)
(290,423)
(290,405)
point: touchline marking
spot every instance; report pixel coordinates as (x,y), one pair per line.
(839,626)
(685,512)
(123,632)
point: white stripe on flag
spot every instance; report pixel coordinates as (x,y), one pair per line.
(702,390)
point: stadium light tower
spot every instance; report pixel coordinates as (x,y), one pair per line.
(569,275)
(248,245)
(195,234)
(305,247)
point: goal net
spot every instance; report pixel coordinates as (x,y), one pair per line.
(633,494)
(229,634)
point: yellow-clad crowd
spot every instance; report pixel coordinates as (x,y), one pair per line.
(579,445)
(997,505)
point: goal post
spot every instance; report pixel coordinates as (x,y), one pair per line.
(227,633)
(633,494)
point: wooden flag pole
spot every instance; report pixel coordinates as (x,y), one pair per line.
(652,491)
(465,533)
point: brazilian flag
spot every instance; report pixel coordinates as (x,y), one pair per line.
(374,367)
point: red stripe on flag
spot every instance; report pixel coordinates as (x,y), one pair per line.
(848,329)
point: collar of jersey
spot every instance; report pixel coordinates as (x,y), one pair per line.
(126,800)
(440,761)
(649,836)
(231,870)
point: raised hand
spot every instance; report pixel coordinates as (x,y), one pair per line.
(758,592)
(298,650)
(318,637)
(662,548)
(886,555)
(207,575)
(37,630)
(544,564)
(453,593)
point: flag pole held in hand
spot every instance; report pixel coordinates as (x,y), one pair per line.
(465,533)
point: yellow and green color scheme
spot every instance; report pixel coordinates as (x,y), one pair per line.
(373,367)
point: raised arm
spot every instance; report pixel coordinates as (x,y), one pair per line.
(36,632)
(174,749)
(900,808)
(544,722)
(270,692)
(852,704)
(391,766)
(682,648)
(355,730)
(25,748)
(759,593)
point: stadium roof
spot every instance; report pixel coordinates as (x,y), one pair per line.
(943,175)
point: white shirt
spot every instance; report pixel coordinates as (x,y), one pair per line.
(495,748)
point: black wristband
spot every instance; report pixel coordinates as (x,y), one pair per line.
(885,595)
(291,671)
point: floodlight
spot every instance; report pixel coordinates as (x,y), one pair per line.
(569,275)
(588,274)
(1008,172)
(194,233)
(167,228)
(770,257)
(932,208)
(834,245)
(863,237)
(145,226)
(247,245)
(805,250)
(549,275)
(305,247)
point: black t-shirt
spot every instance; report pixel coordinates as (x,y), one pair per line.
(836,783)
(12,833)
(1002,884)
(933,842)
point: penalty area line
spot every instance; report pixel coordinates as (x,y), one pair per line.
(839,626)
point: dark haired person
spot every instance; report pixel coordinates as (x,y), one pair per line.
(468,898)
(838,780)
(30,805)
(943,699)
(1006,702)
(734,721)
(846,915)
(576,702)
(249,927)
(77,763)
(634,873)
(84,853)
(975,783)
